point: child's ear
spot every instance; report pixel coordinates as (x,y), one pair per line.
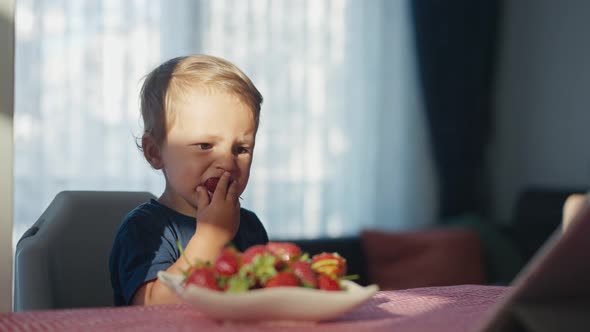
(151,151)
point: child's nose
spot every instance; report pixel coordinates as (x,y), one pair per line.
(227,160)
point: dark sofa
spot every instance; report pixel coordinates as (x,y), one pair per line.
(348,247)
(506,247)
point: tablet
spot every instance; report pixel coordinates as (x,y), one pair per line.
(552,292)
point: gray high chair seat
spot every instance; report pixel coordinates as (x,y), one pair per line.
(62,260)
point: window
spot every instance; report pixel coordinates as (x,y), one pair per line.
(340,147)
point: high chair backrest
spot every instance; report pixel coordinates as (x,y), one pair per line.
(62,260)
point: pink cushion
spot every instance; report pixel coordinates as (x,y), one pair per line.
(432,257)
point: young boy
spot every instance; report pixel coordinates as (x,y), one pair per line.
(200,116)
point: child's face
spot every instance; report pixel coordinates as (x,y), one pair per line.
(210,133)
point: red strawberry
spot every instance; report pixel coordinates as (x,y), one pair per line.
(283,279)
(203,277)
(330,264)
(258,264)
(305,274)
(211,184)
(228,263)
(285,251)
(253,251)
(328,283)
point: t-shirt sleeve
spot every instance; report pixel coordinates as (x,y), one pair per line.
(143,247)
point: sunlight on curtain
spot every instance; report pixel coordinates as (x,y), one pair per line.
(341,145)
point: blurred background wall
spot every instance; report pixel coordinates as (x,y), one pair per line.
(541,135)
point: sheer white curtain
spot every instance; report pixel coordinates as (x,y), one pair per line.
(341,146)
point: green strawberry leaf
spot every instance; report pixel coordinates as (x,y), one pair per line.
(222,281)
(261,269)
(181,249)
(351,277)
(238,284)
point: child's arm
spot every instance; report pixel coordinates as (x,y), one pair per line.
(218,222)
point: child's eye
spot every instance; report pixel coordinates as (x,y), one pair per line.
(204,146)
(243,149)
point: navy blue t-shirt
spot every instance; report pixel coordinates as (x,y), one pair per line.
(146,244)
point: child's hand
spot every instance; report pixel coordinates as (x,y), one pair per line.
(218,217)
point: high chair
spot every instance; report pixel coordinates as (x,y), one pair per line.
(62,260)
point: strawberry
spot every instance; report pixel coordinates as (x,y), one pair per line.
(286,252)
(211,184)
(283,279)
(330,264)
(253,251)
(305,274)
(327,283)
(276,264)
(228,263)
(203,276)
(258,264)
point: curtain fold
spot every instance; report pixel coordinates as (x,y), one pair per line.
(456,45)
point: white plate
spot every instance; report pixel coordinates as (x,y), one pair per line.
(274,304)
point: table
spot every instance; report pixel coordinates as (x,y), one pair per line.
(451,308)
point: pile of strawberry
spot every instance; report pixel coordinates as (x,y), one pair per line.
(276,264)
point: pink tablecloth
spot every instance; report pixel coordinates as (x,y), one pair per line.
(455,308)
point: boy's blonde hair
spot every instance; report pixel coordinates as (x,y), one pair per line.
(170,81)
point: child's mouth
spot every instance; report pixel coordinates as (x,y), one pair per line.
(211,184)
